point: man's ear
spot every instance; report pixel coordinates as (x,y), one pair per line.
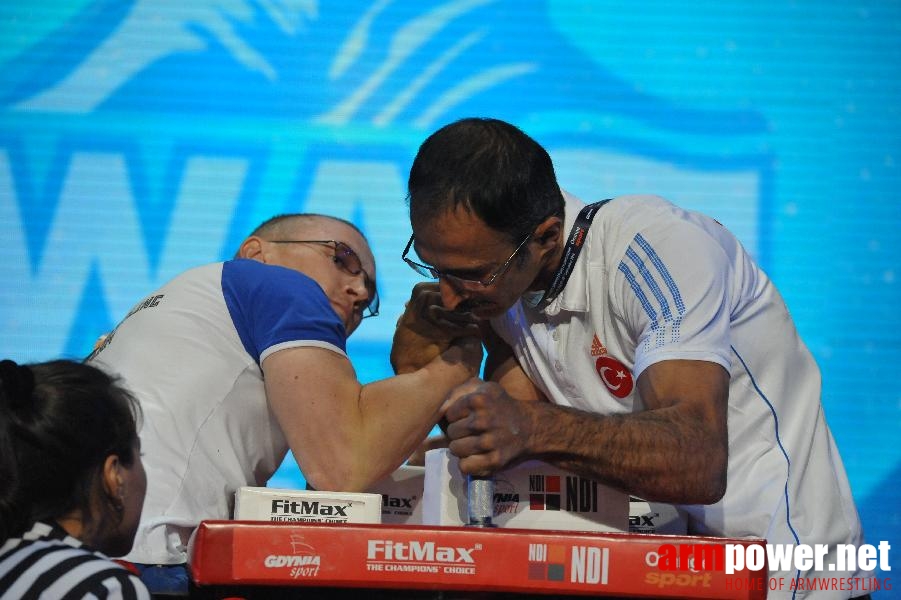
(548,234)
(252,248)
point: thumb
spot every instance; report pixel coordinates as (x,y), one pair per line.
(454,406)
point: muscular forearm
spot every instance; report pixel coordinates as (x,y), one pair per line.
(398,413)
(386,422)
(666,455)
(674,451)
(346,436)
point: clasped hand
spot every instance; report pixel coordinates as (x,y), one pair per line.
(488,430)
(426,330)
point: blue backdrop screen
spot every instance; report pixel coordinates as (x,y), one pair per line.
(141,138)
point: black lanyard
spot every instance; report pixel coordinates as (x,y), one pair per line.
(571,251)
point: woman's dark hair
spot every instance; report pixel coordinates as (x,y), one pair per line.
(491,168)
(59,421)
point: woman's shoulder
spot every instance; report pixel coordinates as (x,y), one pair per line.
(44,560)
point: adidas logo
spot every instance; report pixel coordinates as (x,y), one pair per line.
(597,348)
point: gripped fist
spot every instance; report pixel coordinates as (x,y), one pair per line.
(488,430)
(426,330)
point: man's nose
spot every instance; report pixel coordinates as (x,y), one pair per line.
(356,286)
(451,296)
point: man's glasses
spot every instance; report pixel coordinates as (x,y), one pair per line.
(349,262)
(430,271)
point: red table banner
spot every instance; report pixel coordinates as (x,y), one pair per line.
(464,558)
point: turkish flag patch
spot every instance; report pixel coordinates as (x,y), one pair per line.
(615,376)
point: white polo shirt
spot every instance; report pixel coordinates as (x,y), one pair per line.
(655,282)
(191,353)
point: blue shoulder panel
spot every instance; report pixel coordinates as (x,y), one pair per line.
(272,305)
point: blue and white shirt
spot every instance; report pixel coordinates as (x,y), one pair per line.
(191,353)
(655,282)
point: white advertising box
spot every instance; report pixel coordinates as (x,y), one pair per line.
(306,506)
(401,495)
(532,495)
(656,518)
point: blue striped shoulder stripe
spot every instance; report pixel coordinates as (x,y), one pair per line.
(655,289)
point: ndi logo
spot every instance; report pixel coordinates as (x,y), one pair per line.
(547,562)
(545,493)
(588,564)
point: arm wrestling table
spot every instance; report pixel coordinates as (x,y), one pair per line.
(252,559)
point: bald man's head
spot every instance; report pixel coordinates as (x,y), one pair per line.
(331,251)
(290,224)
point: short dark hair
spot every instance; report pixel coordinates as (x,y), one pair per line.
(59,420)
(489,167)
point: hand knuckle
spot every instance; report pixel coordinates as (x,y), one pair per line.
(487,442)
